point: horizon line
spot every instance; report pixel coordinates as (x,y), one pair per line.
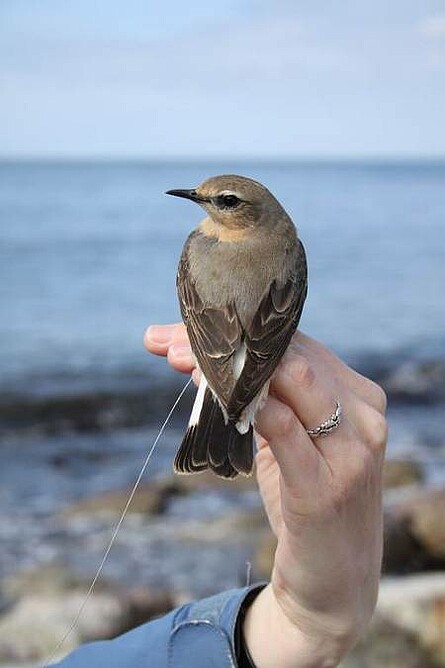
(389,158)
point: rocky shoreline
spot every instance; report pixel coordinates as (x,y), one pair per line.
(104,404)
(37,606)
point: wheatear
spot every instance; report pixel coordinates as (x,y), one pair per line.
(242,282)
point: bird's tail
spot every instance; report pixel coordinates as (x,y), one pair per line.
(210,443)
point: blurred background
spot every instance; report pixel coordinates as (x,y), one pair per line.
(339,109)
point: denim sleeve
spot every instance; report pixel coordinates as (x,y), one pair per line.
(200,634)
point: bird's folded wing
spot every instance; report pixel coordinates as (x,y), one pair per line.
(269,333)
(215,335)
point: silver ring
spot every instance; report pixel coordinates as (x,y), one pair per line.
(328,425)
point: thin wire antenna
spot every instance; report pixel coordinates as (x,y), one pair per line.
(115,531)
(248,573)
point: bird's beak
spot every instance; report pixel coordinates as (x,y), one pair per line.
(187,194)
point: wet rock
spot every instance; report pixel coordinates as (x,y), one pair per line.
(91,410)
(408,377)
(150,499)
(47,579)
(153,498)
(420,382)
(241,525)
(400,472)
(414,535)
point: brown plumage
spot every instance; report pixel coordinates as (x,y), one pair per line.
(242,282)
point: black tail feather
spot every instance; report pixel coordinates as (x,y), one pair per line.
(241,451)
(214,444)
(183,461)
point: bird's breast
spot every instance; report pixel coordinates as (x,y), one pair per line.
(239,273)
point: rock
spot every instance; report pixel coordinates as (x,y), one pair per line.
(414,535)
(419,382)
(408,629)
(264,555)
(150,499)
(241,525)
(94,409)
(47,579)
(400,472)
(426,512)
(34,626)
(417,604)
(143,605)
(153,498)
(387,646)
(401,551)
(45,601)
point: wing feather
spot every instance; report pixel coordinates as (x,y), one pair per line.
(215,334)
(269,334)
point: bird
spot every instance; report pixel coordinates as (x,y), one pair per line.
(241,284)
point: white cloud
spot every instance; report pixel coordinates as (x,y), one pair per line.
(434,26)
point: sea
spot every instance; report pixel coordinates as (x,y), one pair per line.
(88,258)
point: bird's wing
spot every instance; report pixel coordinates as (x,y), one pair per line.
(270,332)
(215,334)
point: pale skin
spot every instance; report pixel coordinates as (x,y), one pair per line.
(323,499)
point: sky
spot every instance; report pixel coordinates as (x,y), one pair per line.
(174,79)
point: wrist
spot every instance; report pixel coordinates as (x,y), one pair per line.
(330,606)
(277,637)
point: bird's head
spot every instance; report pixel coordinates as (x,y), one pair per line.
(235,202)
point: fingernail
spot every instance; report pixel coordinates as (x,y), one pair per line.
(180,351)
(159,333)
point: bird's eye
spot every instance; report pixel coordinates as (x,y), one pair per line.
(227,201)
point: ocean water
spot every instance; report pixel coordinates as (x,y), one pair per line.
(88,256)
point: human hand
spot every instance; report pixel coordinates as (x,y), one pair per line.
(323,500)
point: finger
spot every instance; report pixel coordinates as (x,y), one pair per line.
(371,426)
(356,402)
(363,401)
(305,386)
(158,338)
(301,465)
(171,341)
(180,357)
(312,394)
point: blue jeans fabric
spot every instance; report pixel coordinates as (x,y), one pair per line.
(200,634)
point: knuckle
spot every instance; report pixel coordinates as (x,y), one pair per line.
(377,430)
(284,420)
(378,396)
(372,393)
(301,371)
